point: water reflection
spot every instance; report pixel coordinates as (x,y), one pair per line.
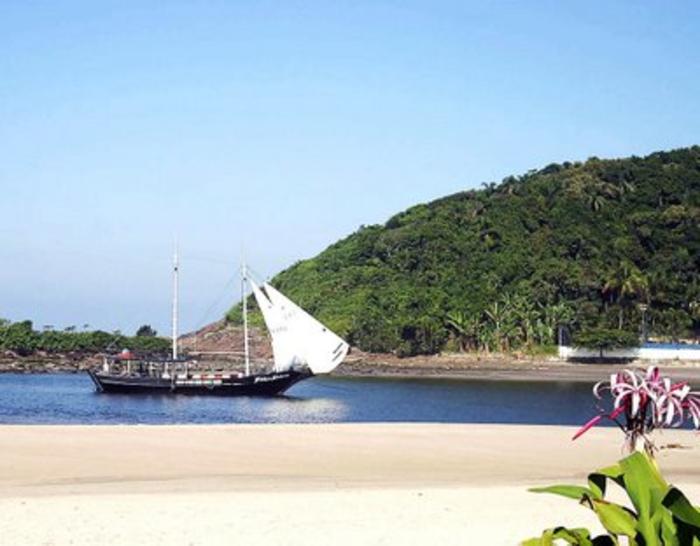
(290,409)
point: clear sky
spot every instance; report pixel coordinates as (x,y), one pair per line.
(280,127)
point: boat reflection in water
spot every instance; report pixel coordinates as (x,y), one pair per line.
(291,409)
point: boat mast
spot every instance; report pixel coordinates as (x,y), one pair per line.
(175,302)
(244,280)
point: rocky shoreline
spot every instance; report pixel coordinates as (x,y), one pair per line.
(505,367)
(39,364)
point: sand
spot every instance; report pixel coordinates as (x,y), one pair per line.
(301,484)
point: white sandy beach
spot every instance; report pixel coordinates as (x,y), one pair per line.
(301,484)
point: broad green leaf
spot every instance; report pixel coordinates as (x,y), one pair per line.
(615,518)
(663,520)
(687,534)
(644,484)
(646,489)
(570,491)
(547,538)
(597,479)
(681,508)
(613,472)
(649,529)
(577,537)
(597,484)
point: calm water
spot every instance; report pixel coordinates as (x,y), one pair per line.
(70,398)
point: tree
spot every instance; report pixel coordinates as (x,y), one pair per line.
(146,331)
(527,316)
(500,316)
(626,284)
(605,339)
(19,337)
(465,328)
(596,201)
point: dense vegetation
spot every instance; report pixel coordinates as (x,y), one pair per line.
(21,338)
(592,246)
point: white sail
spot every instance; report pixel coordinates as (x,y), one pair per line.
(310,341)
(283,350)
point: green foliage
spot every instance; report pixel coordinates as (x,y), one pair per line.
(659,515)
(21,338)
(146,331)
(492,268)
(606,339)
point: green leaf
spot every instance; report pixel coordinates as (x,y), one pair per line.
(643,483)
(663,520)
(681,508)
(597,479)
(547,538)
(646,489)
(613,472)
(577,492)
(687,534)
(597,484)
(576,537)
(615,518)
(649,529)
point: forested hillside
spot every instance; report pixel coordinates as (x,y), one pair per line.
(588,245)
(20,338)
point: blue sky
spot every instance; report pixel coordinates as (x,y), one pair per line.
(279,127)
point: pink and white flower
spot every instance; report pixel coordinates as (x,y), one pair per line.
(646,401)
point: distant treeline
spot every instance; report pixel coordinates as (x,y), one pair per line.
(21,338)
(607,249)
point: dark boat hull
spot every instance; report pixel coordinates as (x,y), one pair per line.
(269,384)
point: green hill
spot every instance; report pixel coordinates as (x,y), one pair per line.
(579,244)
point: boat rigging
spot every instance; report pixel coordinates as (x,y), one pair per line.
(302,347)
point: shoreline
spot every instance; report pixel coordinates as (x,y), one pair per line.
(526,371)
(301,484)
(459,366)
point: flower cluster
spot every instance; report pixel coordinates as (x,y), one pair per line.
(643,402)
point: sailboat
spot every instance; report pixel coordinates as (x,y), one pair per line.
(302,347)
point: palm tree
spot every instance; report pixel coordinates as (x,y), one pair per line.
(489,187)
(486,339)
(526,316)
(596,201)
(625,284)
(499,313)
(459,323)
(625,186)
(554,317)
